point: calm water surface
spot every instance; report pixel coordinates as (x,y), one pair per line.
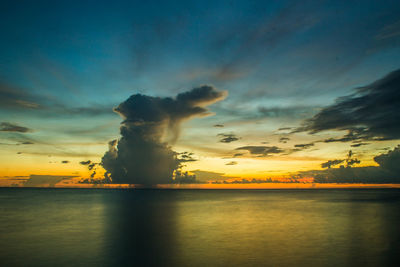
(100,227)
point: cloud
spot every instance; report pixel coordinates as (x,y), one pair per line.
(92,165)
(65,161)
(304,146)
(9,127)
(371,174)
(232,163)
(389,31)
(261,151)
(186,157)
(285,128)
(184,178)
(351,162)
(284,139)
(85,162)
(331,163)
(27,143)
(386,172)
(19,99)
(359,144)
(12,97)
(227,138)
(371,113)
(390,161)
(143,154)
(218,125)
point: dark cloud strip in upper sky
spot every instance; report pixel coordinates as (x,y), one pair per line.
(371,113)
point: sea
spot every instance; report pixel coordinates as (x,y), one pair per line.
(155,227)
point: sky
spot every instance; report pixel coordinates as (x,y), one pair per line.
(199,91)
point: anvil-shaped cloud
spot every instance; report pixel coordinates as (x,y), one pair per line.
(143,155)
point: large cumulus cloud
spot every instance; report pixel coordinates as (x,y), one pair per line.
(143,154)
(371,113)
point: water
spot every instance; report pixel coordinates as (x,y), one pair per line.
(98,227)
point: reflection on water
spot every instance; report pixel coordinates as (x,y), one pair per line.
(64,227)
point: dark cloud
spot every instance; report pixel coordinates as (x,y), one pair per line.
(331,163)
(186,157)
(232,163)
(261,151)
(27,143)
(386,172)
(94,181)
(284,139)
(371,113)
(350,160)
(351,175)
(228,138)
(9,127)
(238,155)
(304,146)
(351,136)
(65,161)
(184,178)
(371,174)
(358,144)
(390,161)
(285,128)
(219,126)
(143,155)
(88,162)
(92,165)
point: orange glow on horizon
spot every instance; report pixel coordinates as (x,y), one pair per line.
(221,186)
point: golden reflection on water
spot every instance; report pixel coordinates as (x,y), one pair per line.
(283,229)
(64,227)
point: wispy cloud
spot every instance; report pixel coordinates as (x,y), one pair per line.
(10,127)
(227,137)
(262,151)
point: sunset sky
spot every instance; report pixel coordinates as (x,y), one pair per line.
(237,89)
